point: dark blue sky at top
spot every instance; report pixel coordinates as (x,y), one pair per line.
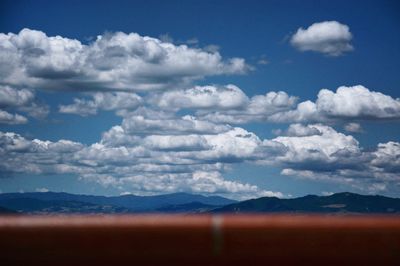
(248,29)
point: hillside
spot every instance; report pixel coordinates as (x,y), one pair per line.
(52,202)
(337,203)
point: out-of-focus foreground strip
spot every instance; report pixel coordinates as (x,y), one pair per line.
(200,240)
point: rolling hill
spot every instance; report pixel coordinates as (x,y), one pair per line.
(53,202)
(64,203)
(337,203)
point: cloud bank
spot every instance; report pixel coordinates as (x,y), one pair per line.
(178,136)
(114,61)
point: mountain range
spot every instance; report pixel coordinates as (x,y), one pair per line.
(64,203)
(53,202)
(337,203)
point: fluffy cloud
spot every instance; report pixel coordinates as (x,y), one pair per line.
(318,148)
(177,143)
(328,37)
(143,164)
(102,101)
(184,138)
(195,162)
(113,61)
(216,104)
(33,156)
(387,156)
(353,127)
(228,104)
(299,130)
(150,122)
(259,108)
(357,102)
(21,100)
(202,97)
(10,97)
(12,119)
(336,157)
(347,103)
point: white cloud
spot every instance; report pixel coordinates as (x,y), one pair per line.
(113,61)
(12,119)
(177,143)
(202,97)
(387,156)
(154,163)
(229,104)
(34,156)
(21,100)
(357,102)
(10,97)
(299,130)
(353,127)
(347,103)
(143,165)
(43,190)
(304,112)
(158,124)
(324,145)
(335,157)
(257,108)
(102,101)
(328,37)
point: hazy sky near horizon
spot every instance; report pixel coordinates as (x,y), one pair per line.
(236,98)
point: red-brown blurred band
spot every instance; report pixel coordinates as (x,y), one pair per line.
(200,240)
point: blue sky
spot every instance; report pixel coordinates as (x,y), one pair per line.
(215,102)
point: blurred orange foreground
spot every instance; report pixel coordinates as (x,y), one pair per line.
(200,240)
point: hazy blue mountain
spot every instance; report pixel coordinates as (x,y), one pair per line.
(193,207)
(51,202)
(30,205)
(6,211)
(37,201)
(337,203)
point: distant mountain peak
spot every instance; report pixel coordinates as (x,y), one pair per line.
(39,202)
(344,202)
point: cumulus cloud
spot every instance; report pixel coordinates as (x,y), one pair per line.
(387,156)
(177,143)
(143,164)
(353,127)
(114,61)
(299,130)
(161,123)
(228,104)
(33,156)
(186,137)
(217,104)
(202,97)
(357,102)
(260,107)
(20,100)
(332,156)
(102,101)
(157,162)
(328,37)
(11,119)
(347,103)
(319,145)
(10,97)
